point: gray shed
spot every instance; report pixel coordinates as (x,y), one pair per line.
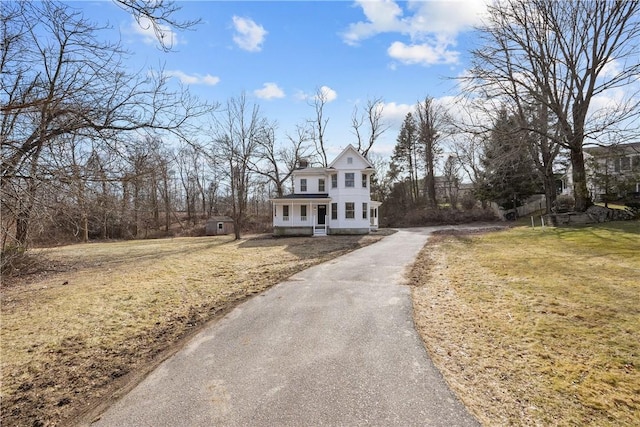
(219,225)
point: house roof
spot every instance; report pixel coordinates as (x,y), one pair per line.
(303,196)
(220,219)
(613,150)
(355,152)
(310,171)
(312,197)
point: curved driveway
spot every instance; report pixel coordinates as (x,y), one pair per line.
(333,345)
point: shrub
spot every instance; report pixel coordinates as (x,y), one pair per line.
(634,208)
(564,203)
(421,217)
(468,202)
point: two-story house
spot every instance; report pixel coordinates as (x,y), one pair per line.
(331,200)
(613,171)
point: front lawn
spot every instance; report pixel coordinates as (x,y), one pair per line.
(101,315)
(536,326)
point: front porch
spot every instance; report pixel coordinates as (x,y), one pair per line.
(301,216)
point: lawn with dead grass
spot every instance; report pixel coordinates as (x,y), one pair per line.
(536,326)
(104,313)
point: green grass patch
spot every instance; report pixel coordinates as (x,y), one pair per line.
(550,318)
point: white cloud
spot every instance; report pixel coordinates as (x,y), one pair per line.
(324,92)
(327,94)
(193,79)
(424,54)
(145,29)
(382,16)
(394,113)
(269,91)
(249,35)
(430,26)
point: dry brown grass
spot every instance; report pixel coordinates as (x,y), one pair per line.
(536,327)
(105,313)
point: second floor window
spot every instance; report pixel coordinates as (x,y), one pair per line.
(303,184)
(349,179)
(321,186)
(364,180)
(334,180)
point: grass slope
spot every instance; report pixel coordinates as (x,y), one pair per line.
(72,336)
(536,326)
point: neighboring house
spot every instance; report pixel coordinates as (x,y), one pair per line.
(447,189)
(219,225)
(612,171)
(331,200)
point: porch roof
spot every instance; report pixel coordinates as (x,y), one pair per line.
(311,197)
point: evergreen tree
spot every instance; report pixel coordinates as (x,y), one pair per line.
(406,155)
(509,171)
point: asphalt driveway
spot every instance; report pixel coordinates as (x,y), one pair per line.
(333,345)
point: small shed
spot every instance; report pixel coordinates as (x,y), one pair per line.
(219,225)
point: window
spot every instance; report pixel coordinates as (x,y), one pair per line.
(321,186)
(349,179)
(334,180)
(334,211)
(285,213)
(364,180)
(350,210)
(303,212)
(349,160)
(303,184)
(364,211)
(625,163)
(220,226)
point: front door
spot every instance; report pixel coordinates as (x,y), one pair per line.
(322,214)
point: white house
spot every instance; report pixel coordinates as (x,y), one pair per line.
(612,171)
(331,200)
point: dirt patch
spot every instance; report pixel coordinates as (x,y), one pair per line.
(85,330)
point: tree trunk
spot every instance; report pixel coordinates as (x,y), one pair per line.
(85,227)
(550,192)
(430,186)
(579,175)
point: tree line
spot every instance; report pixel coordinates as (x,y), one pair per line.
(547,80)
(91,150)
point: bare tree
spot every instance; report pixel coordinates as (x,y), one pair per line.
(451,177)
(277,162)
(319,123)
(563,55)
(430,122)
(59,79)
(375,127)
(159,15)
(236,137)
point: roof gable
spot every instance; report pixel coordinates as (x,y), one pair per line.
(358,161)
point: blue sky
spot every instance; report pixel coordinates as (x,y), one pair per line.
(280,53)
